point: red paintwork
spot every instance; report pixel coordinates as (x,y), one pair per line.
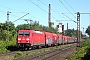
(23,38)
(55,39)
(38,39)
(65,39)
(43,38)
(34,38)
(49,36)
(69,39)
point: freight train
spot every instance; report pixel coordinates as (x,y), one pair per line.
(32,39)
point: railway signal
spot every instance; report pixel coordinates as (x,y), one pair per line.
(8,24)
(78,28)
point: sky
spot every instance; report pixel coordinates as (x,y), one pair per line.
(38,11)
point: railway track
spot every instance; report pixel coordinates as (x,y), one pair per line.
(8,53)
(61,54)
(46,55)
(41,53)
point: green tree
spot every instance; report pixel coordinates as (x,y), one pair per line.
(5,33)
(36,26)
(51,29)
(22,26)
(72,33)
(88,31)
(69,32)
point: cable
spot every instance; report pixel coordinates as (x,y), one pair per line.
(51,8)
(57,12)
(69,18)
(66,8)
(2,11)
(12,9)
(38,6)
(21,17)
(10,14)
(6,12)
(22,12)
(43,3)
(70,6)
(41,8)
(14,12)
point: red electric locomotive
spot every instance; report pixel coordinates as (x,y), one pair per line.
(30,38)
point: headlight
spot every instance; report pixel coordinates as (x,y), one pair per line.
(19,38)
(27,39)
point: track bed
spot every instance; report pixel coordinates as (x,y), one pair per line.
(56,54)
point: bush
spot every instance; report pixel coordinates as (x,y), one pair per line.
(3,45)
(83,52)
(12,42)
(86,43)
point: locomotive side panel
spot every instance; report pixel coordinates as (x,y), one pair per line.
(38,39)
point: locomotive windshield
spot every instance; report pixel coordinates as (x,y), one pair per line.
(24,33)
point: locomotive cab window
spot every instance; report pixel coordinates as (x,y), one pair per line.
(21,34)
(24,33)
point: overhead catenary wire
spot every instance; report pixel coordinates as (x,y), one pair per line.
(20,17)
(51,8)
(38,6)
(66,8)
(12,9)
(15,11)
(56,12)
(69,18)
(41,8)
(6,12)
(2,11)
(70,6)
